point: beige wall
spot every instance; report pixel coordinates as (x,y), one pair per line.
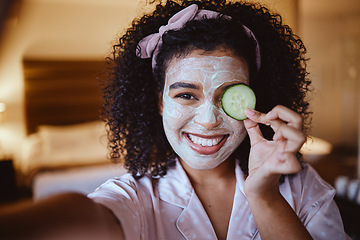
(332,38)
(288,9)
(54,29)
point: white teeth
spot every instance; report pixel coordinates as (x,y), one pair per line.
(205,142)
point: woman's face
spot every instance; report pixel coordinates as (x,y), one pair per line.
(196,126)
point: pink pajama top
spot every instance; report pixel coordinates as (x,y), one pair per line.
(168,207)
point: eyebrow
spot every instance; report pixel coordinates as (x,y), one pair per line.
(223,88)
(178,85)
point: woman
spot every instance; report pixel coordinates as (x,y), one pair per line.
(194,172)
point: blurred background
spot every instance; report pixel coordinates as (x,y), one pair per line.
(51,52)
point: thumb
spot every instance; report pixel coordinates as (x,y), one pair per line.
(254,131)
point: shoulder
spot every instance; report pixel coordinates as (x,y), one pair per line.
(307,189)
(310,179)
(313,201)
(124,187)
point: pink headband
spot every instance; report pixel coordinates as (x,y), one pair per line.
(150,44)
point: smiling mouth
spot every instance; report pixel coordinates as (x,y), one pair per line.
(205,142)
(206,145)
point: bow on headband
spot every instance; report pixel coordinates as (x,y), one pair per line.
(149,46)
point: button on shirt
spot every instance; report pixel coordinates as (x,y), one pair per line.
(168,207)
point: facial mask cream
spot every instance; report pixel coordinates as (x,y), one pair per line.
(196,127)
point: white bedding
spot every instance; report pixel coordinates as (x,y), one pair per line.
(81,180)
(70,145)
(66,158)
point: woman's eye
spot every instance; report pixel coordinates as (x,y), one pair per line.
(186,96)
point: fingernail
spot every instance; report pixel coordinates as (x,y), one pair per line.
(249,112)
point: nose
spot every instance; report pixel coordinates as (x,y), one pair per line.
(208,116)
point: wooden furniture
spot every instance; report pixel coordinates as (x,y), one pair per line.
(62,92)
(8,189)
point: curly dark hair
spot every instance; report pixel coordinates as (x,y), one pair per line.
(131,93)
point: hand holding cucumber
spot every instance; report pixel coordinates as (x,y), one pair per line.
(268,160)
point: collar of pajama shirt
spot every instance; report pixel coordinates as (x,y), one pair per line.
(175,188)
(168,207)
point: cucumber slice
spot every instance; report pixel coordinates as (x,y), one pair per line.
(236,99)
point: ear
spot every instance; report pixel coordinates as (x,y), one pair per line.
(160,102)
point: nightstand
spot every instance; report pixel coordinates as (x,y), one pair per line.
(8,189)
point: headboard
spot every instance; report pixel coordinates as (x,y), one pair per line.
(61,92)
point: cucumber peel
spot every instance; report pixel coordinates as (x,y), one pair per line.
(236,99)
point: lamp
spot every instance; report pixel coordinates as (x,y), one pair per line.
(2,118)
(315,148)
(2,111)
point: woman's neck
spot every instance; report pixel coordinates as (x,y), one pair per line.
(222,174)
(215,189)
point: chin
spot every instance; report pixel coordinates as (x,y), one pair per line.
(204,162)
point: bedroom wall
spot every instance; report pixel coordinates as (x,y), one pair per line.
(52,30)
(333,42)
(331,32)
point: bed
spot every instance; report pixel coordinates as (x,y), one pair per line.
(65,147)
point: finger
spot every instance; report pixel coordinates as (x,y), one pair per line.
(287,163)
(294,138)
(256,116)
(262,118)
(276,124)
(292,118)
(254,131)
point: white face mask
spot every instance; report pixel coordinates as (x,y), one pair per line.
(196,126)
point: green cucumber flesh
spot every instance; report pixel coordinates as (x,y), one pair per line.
(236,99)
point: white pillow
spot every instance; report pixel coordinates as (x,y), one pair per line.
(74,144)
